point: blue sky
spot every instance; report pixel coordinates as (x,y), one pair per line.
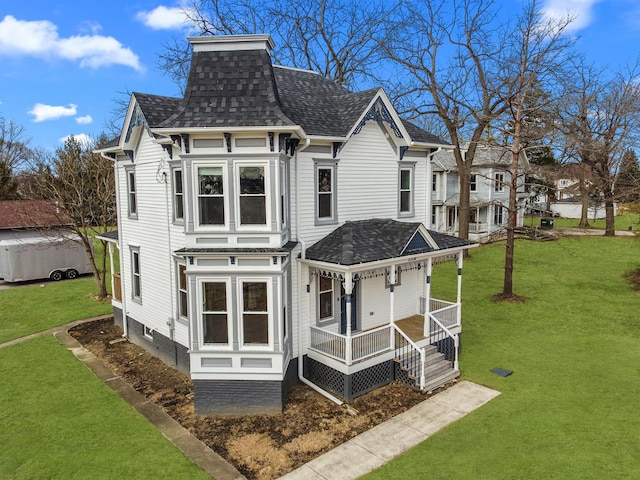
(63,62)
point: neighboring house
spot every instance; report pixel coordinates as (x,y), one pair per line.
(489,197)
(271,231)
(36,242)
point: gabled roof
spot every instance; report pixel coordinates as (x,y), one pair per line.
(373,240)
(16,214)
(485,156)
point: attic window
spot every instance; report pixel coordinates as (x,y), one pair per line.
(208,143)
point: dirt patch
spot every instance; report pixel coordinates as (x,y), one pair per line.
(259,446)
(633,277)
(501,297)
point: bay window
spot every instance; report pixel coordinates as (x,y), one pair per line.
(255,313)
(252,195)
(215,313)
(211,196)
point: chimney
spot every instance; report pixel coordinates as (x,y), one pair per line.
(218,43)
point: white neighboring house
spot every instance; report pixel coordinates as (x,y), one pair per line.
(568,201)
(271,230)
(489,198)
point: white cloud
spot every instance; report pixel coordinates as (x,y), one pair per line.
(580,10)
(42,112)
(165,18)
(86,120)
(81,138)
(40,39)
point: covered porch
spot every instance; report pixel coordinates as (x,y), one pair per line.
(385,310)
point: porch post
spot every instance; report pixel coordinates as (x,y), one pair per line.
(348,288)
(392,282)
(427,303)
(459,296)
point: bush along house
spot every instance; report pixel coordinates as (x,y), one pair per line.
(271,232)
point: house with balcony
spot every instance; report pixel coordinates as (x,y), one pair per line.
(489,197)
(271,230)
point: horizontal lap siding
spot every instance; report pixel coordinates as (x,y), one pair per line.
(157,238)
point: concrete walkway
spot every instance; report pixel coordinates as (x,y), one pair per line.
(354,458)
(375,447)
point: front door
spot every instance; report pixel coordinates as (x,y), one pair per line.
(343,309)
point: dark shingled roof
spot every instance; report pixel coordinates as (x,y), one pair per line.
(286,248)
(376,239)
(111,235)
(241,88)
(234,88)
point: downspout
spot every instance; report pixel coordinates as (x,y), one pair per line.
(123,299)
(303,250)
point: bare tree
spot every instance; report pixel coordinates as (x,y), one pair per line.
(539,50)
(83,186)
(453,54)
(602,119)
(336,38)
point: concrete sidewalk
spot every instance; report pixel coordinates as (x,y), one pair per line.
(375,447)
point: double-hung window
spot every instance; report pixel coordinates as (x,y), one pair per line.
(473,183)
(255,313)
(215,313)
(211,195)
(178,196)
(325,299)
(252,195)
(498,215)
(499,182)
(136,278)
(405,192)
(132,199)
(325,197)
(183,296)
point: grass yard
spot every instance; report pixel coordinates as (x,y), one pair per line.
(59,421)
(622,222)
(570,409)
(34,308)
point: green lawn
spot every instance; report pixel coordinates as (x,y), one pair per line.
(59,421)
(622,222)
(37,307)
(570,409)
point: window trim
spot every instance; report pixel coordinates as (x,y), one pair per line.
(225,196)
(267,196)
(498,212)
(327,320)
(201,312)
(411,168)
(240,281)
(136,293)
(473,183)
(434,183)
(326,164)
(180,267)
(174,183)
(132,193)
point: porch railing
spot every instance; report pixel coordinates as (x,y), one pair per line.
(363,344)
(446,342)
(410,355)
(445,312)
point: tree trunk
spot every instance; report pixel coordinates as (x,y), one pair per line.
(584,211)
(610,227)
(465,193)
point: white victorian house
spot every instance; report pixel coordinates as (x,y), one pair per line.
(489,197)
(272,231)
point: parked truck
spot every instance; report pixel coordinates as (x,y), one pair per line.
(29,255)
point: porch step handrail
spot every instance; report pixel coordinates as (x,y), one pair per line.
(454,337)
(407,349)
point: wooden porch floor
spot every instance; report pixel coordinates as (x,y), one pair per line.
(413,326)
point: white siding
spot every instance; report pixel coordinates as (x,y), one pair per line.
(156,238)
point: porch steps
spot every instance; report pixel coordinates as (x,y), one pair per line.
(437,371)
